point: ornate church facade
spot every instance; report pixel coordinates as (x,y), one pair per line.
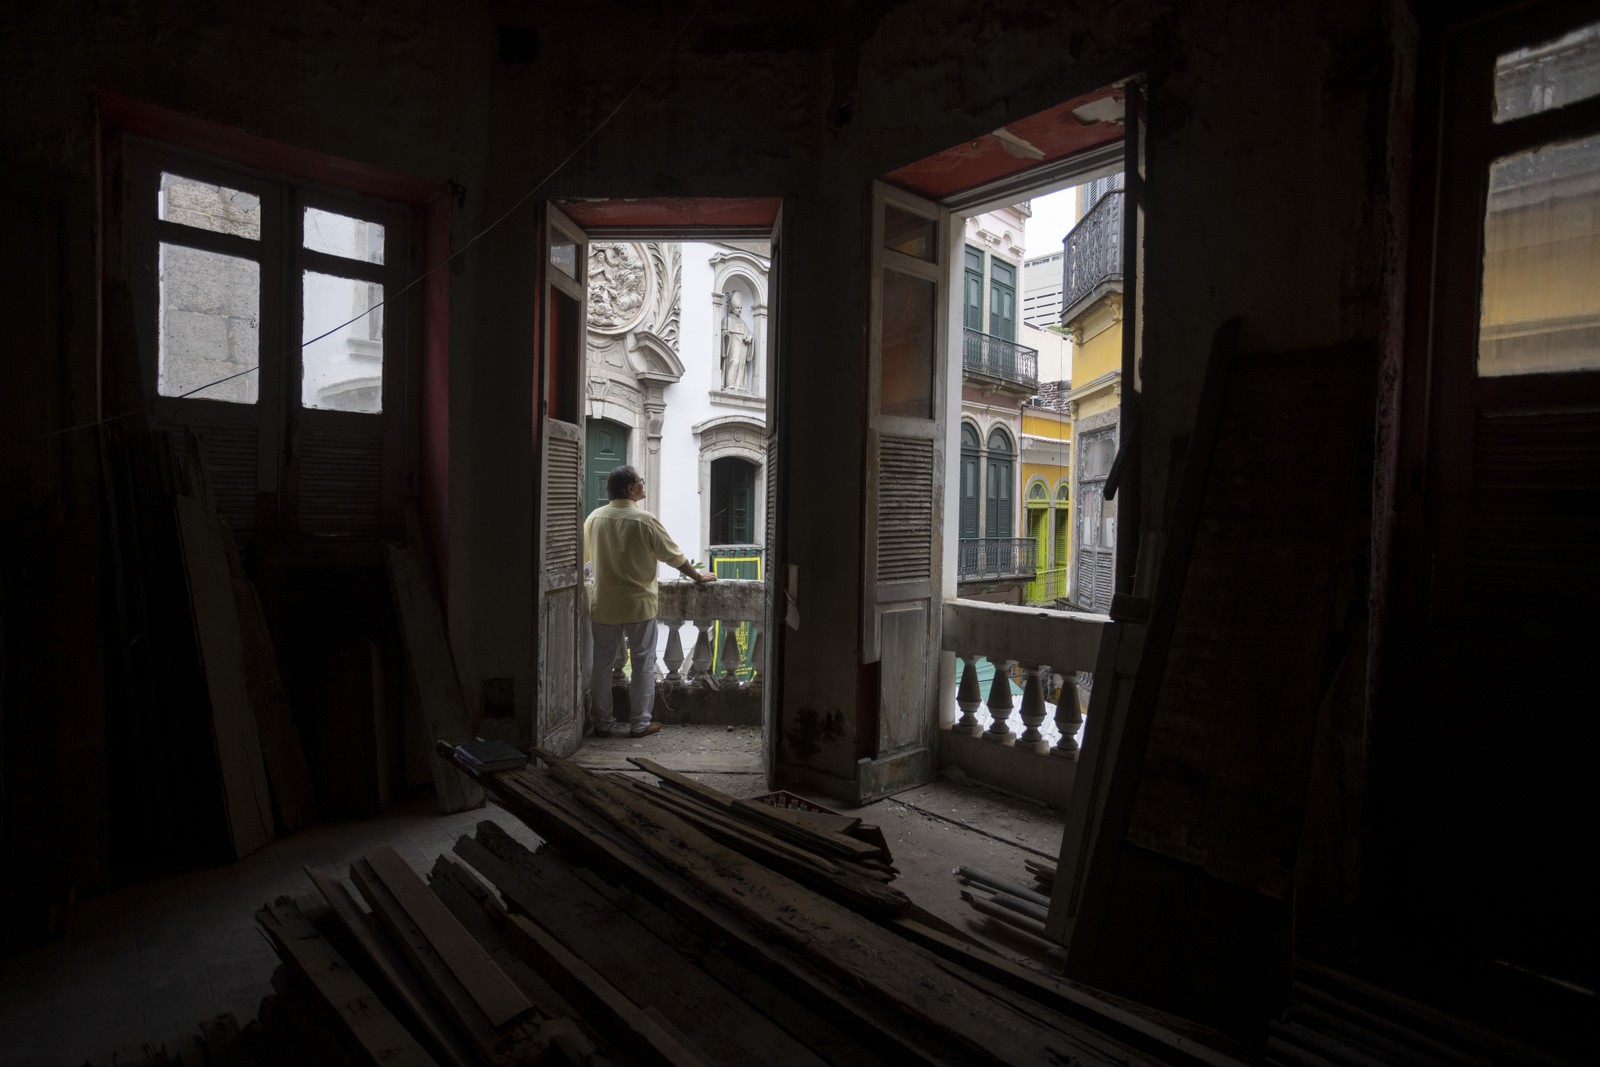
(676,385)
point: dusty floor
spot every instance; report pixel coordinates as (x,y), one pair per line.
(149,962)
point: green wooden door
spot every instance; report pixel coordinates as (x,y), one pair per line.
(606,449)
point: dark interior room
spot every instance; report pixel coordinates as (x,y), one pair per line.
(292,457)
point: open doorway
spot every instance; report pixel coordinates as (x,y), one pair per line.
(973,393)
(674,376)
(676,388)
(1039,365)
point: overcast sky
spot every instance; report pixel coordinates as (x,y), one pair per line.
(1052,218)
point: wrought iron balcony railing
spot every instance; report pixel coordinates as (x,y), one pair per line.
(995,557)
(1093,263)
(998,358)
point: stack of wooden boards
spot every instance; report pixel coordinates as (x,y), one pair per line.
(1017,908)
(668,924)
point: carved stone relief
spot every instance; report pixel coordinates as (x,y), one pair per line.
(619,286)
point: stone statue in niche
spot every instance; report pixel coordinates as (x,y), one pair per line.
(738,347)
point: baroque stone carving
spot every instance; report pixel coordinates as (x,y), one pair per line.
(667,263)
(619,286)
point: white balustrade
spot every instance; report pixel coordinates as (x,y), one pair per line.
(1036,647)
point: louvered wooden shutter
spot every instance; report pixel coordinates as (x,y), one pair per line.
(341,478)
(905,509)
(230,454)
(564,510)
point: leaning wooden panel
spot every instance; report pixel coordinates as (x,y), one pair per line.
(433,668)
(233,718)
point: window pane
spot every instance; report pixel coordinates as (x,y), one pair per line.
(210,324)
(204,206)
(344,370)
(911,234)
(1548,76)
(907,387)
(564,257)
(341,235)
(1540,310)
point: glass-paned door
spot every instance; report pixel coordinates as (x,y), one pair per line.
(1511,519)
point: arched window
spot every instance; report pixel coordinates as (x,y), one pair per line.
(733,501)
(1063,512)
(1037,502)
(970,493)
(999,520)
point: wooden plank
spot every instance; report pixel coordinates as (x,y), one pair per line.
(775,999)
(599,757)
(392,966)
(469,899)
(293,796)
(233,720)
(433,668)
(351,1006)
(561,1029)
(860,887)
(1163,1036)
(629,953)
(763,814)
(962,1020)
(495,994)
(825,821)
(515,1043)
(641,1033)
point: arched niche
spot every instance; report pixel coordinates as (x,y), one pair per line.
(731,437)
(745,273)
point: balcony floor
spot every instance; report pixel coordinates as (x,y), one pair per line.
(148,962)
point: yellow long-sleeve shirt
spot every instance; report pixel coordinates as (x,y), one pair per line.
(623,542)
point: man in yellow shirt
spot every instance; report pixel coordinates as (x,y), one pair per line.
(622,544)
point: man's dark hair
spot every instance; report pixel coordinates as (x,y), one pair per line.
(619,481)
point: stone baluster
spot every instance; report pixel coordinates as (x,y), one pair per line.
(969,696)
(1033,711)
(758,643)
(702,649)
(1069,717)
(1000,702)
(730,653)
(672,659)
